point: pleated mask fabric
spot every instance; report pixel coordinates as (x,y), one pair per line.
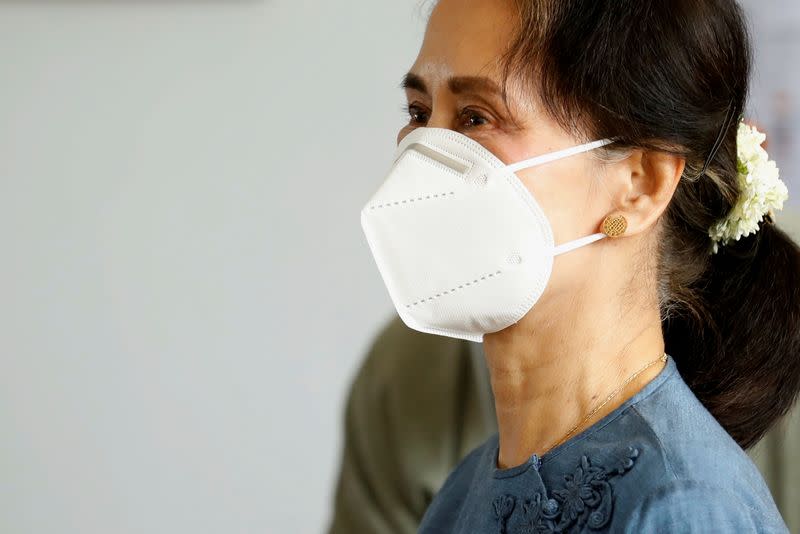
(462,245)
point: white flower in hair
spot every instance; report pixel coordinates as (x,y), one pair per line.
(761,189)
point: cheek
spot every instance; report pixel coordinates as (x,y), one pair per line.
(568,193)
(565,192)
(404,131)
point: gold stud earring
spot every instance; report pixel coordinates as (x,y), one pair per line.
(615,225)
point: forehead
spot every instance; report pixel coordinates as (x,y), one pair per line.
(465,38)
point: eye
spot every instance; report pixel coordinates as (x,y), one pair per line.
(471,118)
(416,114)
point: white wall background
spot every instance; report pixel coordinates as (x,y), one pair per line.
(185,287)
(775,95)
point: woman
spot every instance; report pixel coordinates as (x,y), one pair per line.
(575,190)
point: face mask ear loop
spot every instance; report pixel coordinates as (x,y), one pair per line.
(558,154)
(550,156)
(577,243)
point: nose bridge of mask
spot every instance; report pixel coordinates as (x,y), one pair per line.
(440,157)
(553,156)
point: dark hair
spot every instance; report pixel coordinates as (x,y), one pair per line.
(672,76)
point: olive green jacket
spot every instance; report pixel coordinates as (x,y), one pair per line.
(421,402)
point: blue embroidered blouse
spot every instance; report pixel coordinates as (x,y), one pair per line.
(659,462)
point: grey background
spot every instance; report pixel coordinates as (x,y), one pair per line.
(185,287)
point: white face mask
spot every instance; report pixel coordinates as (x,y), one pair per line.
(463,247)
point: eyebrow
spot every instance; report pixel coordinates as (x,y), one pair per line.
(456,84)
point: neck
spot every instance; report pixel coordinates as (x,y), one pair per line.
(548,374)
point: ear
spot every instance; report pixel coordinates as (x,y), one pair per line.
(652,178)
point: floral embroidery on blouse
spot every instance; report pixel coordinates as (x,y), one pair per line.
(585,499)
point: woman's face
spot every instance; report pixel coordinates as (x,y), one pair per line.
(454,83)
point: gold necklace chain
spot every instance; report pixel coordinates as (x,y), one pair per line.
(661,358)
